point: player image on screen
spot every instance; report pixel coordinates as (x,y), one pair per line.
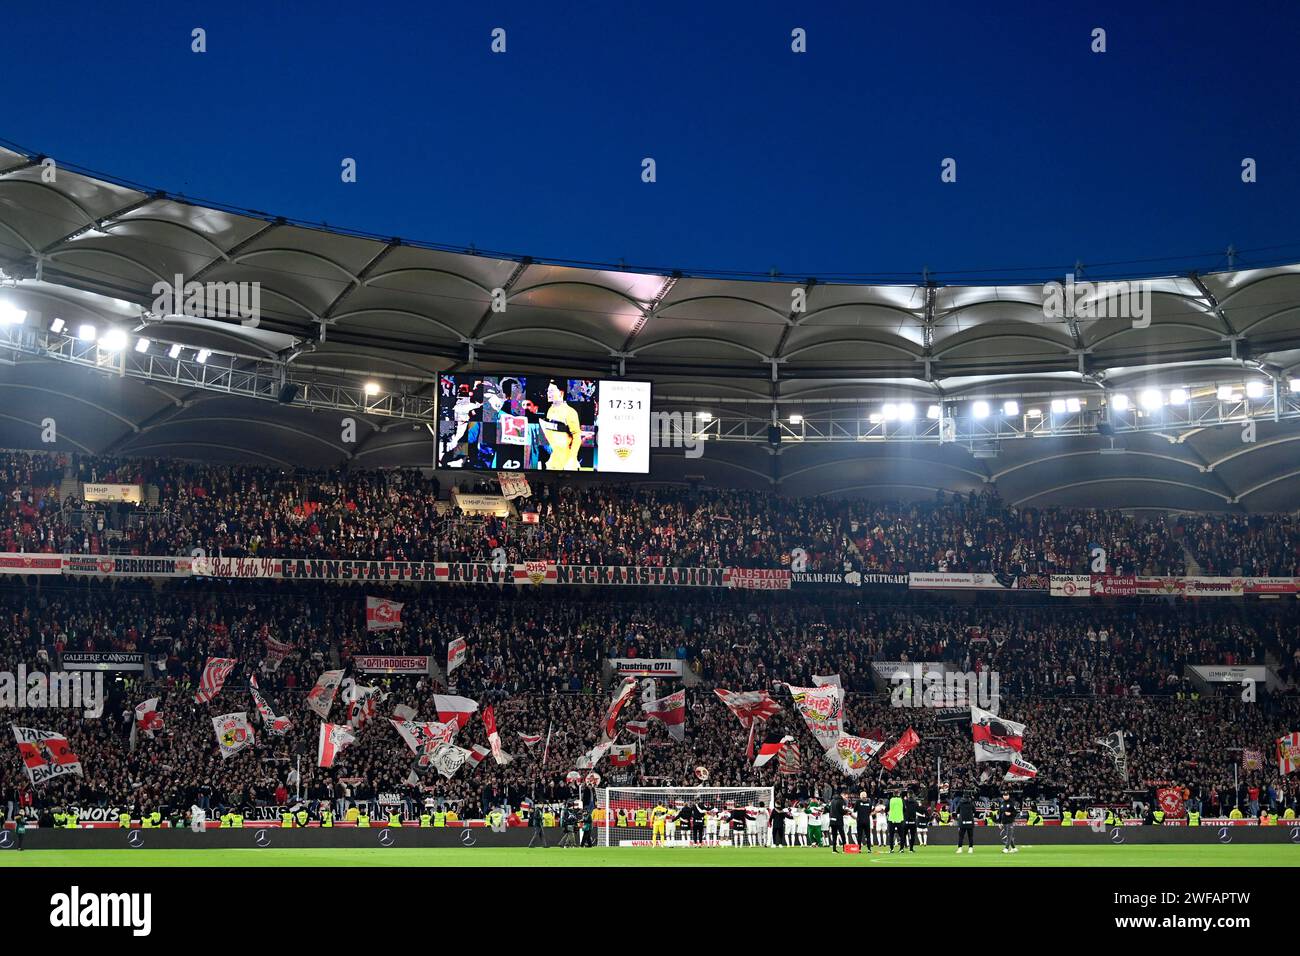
(527,423)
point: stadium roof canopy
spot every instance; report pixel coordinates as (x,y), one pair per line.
(848,371)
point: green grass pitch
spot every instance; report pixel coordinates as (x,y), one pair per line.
(984,856)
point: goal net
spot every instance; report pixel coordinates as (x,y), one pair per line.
(686,816)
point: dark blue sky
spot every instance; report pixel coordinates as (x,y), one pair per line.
(816,163)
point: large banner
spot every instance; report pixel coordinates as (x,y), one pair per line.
(495,505)
(11,563)
(1131,585)
(127,566)
(823,711)
(236,567)
(373,664)
(764,579)
(101,661)
(128,493)
(850,579)
(646,667)
(1229,674)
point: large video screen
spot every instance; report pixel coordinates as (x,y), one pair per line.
(543,423)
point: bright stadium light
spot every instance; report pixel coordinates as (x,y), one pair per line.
(890,412)
(705,416)
(1255,389)
(11,314)
(371,388)
(114,340)
(1295,384)
(1226,393)
(142,344)
(1178,396)
(1058,406)
(796,419)
(980,409)
(203,356)
(174,351)
(57,326)
(875,418)
(1072,405)
(906,411)
(87,333)
(1034,413)
(1010,407)
(1119,403)
(934,411)
(1151,399)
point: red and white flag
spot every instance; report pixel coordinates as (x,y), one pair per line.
(530,739)
(546,747)
(451,707)
(791,760)
(593,756)
(622,755)
(640,728)
(513,485)
(749,705)
(215,672)
(46,755)
(333,738)
(457,651)
(276,651)
(383,614)
(852,754)
(277,725)
(831,680)
(147,720)
(1288,753)
(1020,770)
(822,709)
(321,697)
(905,745)
(474,756)
(608,731)
(362,701)
(769,749)
(995,737)
(422,734)
(494,738)
(670,711)
(234,733)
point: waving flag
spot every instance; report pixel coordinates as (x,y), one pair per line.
(529,739)
(234,733)
(474,756)
(770,749)
(215,672)
(1018,771)
(362,702)
(333,738)
(749,705)
(852,754)
(321,697)
(147,720)
(420,734)
(451,707)
(791,761)
(46,755)
(383,614)
(277,725)
(457,651)
(822,709)
(608,731)
(670,710)
(995,738)
(494,738)
(1252,759)
(622,755)
(832,680)
(275,650)
(513,484)
(906,744)
(1113,744)
(592,757)
(1288,753)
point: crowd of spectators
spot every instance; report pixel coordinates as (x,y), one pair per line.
(395,514)
(1071,672)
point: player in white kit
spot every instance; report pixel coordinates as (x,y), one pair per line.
(800,825)
(762,819)
(670,825)
(710,827)
(879,825)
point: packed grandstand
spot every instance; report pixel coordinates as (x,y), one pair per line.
(1161,669)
